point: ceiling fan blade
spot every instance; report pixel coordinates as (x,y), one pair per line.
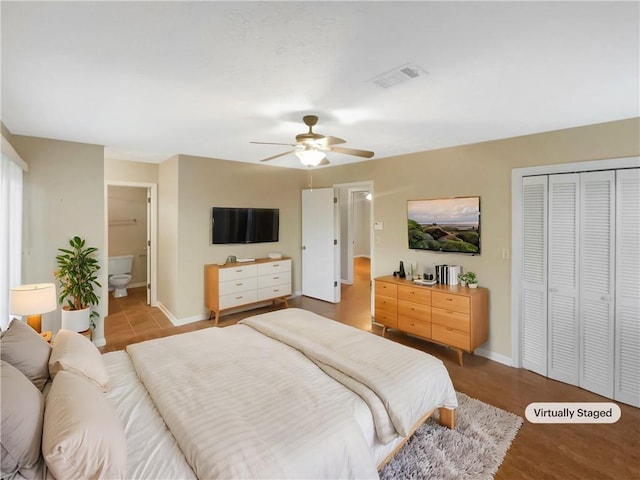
(279,155)
(272,143)
(328,141)
(353,151)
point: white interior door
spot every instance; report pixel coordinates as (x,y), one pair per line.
(149,246)
(596,293)
(320,246)
(533,296)
(563,307)
(627,315)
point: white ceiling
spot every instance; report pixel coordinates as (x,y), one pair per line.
(152,79)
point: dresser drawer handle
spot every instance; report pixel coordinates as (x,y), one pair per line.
(449,299)
(412,324)
(239,284)
(240,297)
(276,278)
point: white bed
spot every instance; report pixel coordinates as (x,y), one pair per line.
(241,404)
(287,394)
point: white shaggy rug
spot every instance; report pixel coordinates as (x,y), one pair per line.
(474,450)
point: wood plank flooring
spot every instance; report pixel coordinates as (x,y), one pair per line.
(539,451)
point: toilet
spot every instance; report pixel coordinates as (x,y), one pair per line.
(120,274)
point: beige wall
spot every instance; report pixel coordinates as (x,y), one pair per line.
(168,233)
(124,171)
(482,169)
(63,197)
(204,183)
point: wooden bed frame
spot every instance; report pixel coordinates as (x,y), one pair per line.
(447,419)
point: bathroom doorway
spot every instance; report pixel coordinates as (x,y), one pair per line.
(131,230)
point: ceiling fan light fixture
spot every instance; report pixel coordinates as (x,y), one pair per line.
(310,156)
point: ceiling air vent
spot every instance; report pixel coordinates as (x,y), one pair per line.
(398,75)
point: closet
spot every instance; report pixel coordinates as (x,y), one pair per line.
(580,280)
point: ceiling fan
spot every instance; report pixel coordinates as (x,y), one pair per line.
(310,146)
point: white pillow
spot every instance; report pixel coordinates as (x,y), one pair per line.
(82,435)
(73,352)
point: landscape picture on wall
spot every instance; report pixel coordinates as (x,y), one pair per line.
(445,224)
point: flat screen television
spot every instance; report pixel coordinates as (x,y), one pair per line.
(244,225)
(445,225)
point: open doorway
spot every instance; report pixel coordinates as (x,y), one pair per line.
(356,225)
(131,231)
(356,249)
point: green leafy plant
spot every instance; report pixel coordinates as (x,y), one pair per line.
(468,277)
(77,274)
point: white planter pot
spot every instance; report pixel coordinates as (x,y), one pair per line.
(472,285)
(76,320)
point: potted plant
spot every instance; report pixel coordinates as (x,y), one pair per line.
(462,278)
(77,269)
(471,279)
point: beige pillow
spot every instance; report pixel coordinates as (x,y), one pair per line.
(26,350)
(83,436)
(21,424)
(75,353)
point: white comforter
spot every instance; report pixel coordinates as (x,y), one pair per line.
(399,384)
(244,405)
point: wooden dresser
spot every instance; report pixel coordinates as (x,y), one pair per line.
(450,315)
(235,285)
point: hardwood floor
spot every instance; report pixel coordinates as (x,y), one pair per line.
(538,452)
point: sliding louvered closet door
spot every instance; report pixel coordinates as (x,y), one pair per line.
(564,198)
(580,296)
(627,335)
(533,294)
(596,281)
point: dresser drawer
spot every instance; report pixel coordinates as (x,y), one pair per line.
(390,319)
(237,286)
(447,318)
(274,291)
(414,294)
(417,327)
(237,299)
(234,273)
(273,279)
(274,267)
(387,289)
(450,336)
(386,304)
(456,303)
(414,311)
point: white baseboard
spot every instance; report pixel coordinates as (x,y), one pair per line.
(496,357)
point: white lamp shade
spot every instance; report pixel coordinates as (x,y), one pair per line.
(310,157)
(32,299)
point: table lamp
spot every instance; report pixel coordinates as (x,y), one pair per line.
(33,300)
